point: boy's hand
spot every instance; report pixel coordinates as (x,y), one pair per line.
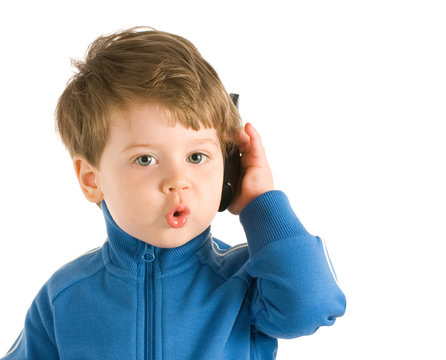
(257,177)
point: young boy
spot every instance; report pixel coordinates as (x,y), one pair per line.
(147,123)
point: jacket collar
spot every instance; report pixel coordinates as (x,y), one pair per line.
(129,253)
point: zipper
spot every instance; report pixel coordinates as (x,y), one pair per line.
(149,257)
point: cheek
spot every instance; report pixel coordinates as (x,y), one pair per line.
(131,186)
(212,183)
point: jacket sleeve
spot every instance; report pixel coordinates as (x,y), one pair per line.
(36,341)
(295,290)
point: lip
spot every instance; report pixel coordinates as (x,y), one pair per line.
(177,217)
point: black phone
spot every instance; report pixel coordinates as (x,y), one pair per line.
(232,171)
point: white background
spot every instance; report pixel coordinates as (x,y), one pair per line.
(349,97)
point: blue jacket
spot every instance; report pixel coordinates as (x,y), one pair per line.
(204,300)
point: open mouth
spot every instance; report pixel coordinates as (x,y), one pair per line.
(177,217)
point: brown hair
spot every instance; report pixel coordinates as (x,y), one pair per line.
(141,65)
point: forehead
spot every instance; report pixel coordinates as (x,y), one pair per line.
(154,122)
(126,116)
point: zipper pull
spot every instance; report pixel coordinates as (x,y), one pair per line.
(149,254)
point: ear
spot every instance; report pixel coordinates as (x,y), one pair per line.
(88,178)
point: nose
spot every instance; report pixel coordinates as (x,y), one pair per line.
(176,181)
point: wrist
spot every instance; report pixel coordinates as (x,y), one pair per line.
(268,218)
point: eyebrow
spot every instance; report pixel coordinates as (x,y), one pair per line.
(204,141)
(127,148)
(193,142)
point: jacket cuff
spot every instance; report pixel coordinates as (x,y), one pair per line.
(268,218)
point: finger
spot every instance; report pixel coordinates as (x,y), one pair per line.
(251,131)
(242,140)
(255,145)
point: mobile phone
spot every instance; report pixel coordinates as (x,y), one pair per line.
(232,170)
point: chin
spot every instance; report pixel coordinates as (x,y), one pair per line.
(173,240)
(170,244)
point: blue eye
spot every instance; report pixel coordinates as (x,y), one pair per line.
(197,158)
(145,160)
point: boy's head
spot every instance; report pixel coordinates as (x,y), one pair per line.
(136,66)
(152,89)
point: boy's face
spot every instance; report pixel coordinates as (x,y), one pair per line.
(161,184)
